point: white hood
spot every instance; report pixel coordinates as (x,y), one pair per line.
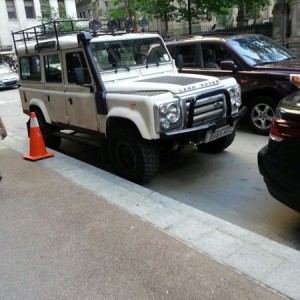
(177,83)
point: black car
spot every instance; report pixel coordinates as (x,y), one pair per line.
(266,71)
(279,161)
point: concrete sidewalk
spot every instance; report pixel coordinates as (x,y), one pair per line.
(72,231)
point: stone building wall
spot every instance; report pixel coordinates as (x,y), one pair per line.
(286,24)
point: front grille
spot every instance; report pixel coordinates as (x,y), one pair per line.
(203,110)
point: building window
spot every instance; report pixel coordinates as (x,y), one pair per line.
(11,10)
(29,9)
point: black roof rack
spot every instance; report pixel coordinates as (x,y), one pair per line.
(64,27)
(47,30)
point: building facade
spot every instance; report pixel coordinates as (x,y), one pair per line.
(20,14)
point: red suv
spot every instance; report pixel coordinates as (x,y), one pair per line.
(266,71)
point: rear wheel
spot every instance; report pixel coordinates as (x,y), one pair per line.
(47,130)
(260,113)
(131,156)
(218,145)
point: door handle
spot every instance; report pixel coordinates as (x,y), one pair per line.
(70,101)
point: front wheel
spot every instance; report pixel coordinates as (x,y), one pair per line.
(218,145)
(131,156)
(260,114)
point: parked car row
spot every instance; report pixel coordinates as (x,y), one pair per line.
(266,71)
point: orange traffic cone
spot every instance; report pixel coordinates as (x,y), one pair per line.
(37,146)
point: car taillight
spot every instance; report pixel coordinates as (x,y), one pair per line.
(282,129)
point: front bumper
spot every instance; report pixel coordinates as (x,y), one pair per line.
(10,83)
(197,134)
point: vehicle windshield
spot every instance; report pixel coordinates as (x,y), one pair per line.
(113,55)
(260,50)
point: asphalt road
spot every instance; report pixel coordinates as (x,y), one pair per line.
(227,185)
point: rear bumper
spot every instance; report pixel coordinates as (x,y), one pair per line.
(280,179)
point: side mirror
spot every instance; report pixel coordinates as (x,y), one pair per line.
(179,61)
(82,76)
(228,65)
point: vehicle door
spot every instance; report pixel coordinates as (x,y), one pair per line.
(80,100)
(221,54)
(54,94)
(207,60)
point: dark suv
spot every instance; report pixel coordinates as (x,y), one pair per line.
(266,71)
(279,162)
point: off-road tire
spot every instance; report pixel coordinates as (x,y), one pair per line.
(131,156)
(218,145)
(260,113)
(47,130)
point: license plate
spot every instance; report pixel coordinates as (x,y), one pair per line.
(213,135)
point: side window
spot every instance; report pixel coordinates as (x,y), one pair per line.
(75,60)
(222,54)
(30,68)
(53,68)
(209,56)
(188,53)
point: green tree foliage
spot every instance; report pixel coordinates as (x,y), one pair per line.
(178,10)
(123,9)
(49,14)
(218,7)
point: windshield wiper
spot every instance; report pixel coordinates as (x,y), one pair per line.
(290,58)
(123,66)
(114,59)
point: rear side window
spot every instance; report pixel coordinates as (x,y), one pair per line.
(53,68)
(30,68)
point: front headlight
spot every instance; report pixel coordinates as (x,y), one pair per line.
(173,113)
(235,95)
(169,115)
(295,79)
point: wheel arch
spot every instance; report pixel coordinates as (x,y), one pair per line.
(249,96)
(125,117)
(38,104)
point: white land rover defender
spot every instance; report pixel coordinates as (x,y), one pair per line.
(123,87)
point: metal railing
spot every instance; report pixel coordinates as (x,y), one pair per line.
(263,29)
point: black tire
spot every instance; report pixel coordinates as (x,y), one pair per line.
(218,145)
(50,140)
(132,157)
(260,113)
